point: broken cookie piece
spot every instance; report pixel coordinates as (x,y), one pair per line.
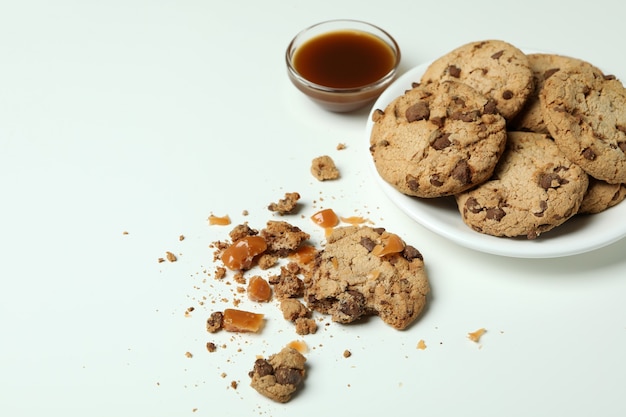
(323,168)
(285,205)
(279,376)
(365,271)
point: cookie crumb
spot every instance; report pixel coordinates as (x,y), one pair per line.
(211,347)
(279,376)
(476,335)
(189,355)
(233,384)
(347,353)
(170,257)
(421,345)
(341,146)
(323,168)
(285,205)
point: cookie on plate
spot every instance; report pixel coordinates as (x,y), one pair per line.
(437,139)
(535,188)
(601,196)
(364,271)
(543,65)
(585,112)
(495,68)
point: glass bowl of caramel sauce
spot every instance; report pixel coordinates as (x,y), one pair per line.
(342,65)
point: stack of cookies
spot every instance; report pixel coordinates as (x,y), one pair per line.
(522,141)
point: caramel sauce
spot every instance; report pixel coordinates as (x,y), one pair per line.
(344,59)
(239,255)
(305,254)
(298,345)
(259,289)
(241,321)
(219,220)
(325,218)
(391,243)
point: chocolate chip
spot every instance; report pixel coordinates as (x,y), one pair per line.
(418,111)
(412,183)
(379,230)
(437,121)
(549,180)
(622,146)
(550,72)
(497,55)
(409,253)
(454,71)
(472,205)
(367,243)
(435,181)
(507,95)
(352,305)
(491,107)
(262,367)
(288,376)
(610,77)
(462,172)
(440,140)
(495,213)
(468,116)
(543,206)
(589,154)
(621,128)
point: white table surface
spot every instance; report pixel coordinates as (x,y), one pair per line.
(146,117)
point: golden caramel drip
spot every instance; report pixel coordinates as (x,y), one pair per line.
(298,345)
(476,335)
(219,221)
(241,321)
(259,289)
(354,220)
(239,255)
(326,218)
(391,243)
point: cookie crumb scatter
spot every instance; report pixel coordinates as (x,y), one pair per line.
(233,384)
(211,347)
(323,168)
(189,311)
(188,355)
(181,238)
(341,146)
(347,353)
(219,220)
(285,205)
(125,233)
(170,257)
(476,335)
(421,345)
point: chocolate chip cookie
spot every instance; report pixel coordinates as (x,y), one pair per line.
(495,68)
(601,196)
(585,112)
(543,65)
(437,139)
(535,188)
(365,271)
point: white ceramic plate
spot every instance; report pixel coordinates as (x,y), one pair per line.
(579,234)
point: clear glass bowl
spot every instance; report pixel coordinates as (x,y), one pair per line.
(334,98)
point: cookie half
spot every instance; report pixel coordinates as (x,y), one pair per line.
(585,112)
(535,188)
(437,139)
(364,271)
(543,66)
(495,68)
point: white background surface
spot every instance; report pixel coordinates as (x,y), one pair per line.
(148,116)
